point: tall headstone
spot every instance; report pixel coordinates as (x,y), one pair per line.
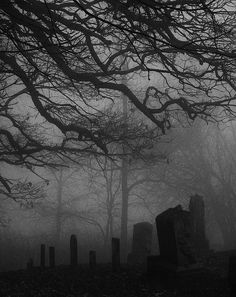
(115,243)
(174,236)
(142,243)
(92,259)
(197,215)
(42,255)
(73,251)
(51,256)
(232,275)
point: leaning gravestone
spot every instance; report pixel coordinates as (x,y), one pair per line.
(73,251)
(51,256)
(197,215)
(142,243)
(42,255)
(178,259)
(175,239)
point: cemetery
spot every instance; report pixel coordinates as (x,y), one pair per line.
(117,148)
(185,265)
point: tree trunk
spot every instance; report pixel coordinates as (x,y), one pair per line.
(124,184)
(59,208)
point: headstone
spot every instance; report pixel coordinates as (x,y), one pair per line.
(42,255)
(73,251)
(197,212)
(51,256)
(92,259)
(115,254)
(232,275)
(142,243)
(174,236)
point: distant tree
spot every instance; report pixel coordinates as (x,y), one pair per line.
(105,176)
(62,63)
(64,203)
(104,184)
(61,180)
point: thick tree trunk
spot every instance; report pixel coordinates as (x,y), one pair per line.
(124,184)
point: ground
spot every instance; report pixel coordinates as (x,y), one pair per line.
(64,281)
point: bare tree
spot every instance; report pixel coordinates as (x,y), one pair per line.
(60,66)
(104,183)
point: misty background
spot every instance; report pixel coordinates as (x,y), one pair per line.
(85,198)
(110,113)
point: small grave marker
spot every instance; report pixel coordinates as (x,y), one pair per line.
(92,259)
(51,256)
(42,255)
(73,251)
(115,254)
(232,275)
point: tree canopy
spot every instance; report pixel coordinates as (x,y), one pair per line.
(65,65)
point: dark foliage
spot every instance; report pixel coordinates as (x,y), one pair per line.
(58,57)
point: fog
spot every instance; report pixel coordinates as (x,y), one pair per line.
(85,199)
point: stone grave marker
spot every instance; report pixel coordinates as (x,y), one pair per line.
(115,243)
(142,243)
(92,259)
(232,275)
(42,255)
(175,238)
(197,215)
(51,256)
(73,251)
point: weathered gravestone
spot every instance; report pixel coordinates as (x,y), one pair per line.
(175,239)
(177,232)
(51,256)
(42,255)
(92,259)
(142,243)
(232,275)
(115,246)
(73,251)
(197,215)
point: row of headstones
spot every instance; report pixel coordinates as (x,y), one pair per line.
(74,255)
(181,235)
(182,241)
